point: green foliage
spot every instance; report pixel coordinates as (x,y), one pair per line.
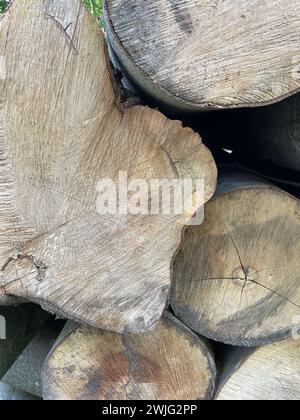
(3,5)
(94,6)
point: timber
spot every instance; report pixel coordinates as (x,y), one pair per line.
(168,363)
(194,55)
(270,373)
(61,133)
(236,277)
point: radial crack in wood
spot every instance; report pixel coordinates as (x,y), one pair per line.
(195,54)
(237,277)
(61,133)
(169,363)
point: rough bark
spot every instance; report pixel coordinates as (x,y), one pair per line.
(61,132)
(236,277)
(208,54)
(169,363)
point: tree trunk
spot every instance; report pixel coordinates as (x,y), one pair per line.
(236,277)
(25,373)
(169,363)
(62,133)
(196,55)
(268,373)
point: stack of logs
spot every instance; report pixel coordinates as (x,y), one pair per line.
(158,308)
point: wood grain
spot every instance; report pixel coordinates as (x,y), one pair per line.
(169,363)
(61,132)
(237,277)
(195,54)
(270,373)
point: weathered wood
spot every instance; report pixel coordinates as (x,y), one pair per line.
(61,133)
(25,373)
(269,373)
(195,54)
(272,134)
(169,363)
(236,277)
(8,393)
(19,325)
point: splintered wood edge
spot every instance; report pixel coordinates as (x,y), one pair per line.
(71,328)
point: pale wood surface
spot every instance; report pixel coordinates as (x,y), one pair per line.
(169,363)
(237,277)
(198,54)
(269,373)
(61,132)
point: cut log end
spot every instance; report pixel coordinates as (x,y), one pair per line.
(236,277)
(61,134)
(170,363)
(191,65)
(269,373)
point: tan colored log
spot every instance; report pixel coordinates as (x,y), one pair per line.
(61,132)
(269,373)
(236,277)
(169,363)
(209,54)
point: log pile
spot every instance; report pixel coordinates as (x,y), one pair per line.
(160,304)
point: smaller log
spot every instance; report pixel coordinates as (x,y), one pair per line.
(236,277)
(20,324)
(8,393)
(25,373)
(169,363)
(267,373)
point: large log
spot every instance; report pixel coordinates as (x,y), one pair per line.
(61,133)
(269,373)
(236,277)
(169,363)
(209,54)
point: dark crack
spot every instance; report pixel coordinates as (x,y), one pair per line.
(39,265)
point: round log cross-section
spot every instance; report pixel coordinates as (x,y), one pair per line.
(208,54)
(169,363)
(237,276)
